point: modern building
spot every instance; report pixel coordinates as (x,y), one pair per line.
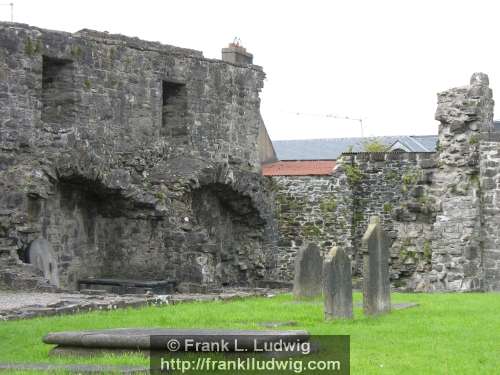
(316,157)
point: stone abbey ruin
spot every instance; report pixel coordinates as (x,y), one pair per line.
(127,159)
(439,208)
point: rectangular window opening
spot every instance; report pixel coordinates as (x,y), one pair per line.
(174,108)
(58,92)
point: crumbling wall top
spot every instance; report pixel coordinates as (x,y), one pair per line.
(110,39)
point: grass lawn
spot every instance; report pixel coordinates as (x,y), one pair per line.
(446,334)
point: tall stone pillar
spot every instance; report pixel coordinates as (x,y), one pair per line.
(464,113)
(489,176)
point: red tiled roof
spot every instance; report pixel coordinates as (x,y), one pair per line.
(299,168)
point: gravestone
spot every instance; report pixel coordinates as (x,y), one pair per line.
(308,268)
(41,255)
(337,285)
(376,285)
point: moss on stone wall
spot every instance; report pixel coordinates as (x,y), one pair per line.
(427,251)
(391,175)
(32,47)
(474,180)
(76,51)
(87,84)
(474,139)
(328,205)
(310,230)
(410,177)
(354,174)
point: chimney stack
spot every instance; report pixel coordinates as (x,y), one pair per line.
(236,54)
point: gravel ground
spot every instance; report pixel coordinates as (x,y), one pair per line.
(15,300)
(20,305)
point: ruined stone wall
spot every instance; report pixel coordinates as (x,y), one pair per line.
(440,209)
(464,113)
(132,159)
(394,187)
(335,210)
(113,89)
(311,209)
(489,179)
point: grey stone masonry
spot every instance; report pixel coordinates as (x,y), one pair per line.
(334,210)
(130,159)
(236,54)
(337,285)
(490,189)
(464,113)
(144,338)
(311,209)
(308,268)
(376,285)
(440,210)
(391,185)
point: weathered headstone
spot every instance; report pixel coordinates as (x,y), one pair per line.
(376,285)
(337,285)
(41,255)
(308,268)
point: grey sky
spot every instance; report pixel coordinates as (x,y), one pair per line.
(380,60)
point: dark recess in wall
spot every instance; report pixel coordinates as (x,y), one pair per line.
(174,111)
(58,97)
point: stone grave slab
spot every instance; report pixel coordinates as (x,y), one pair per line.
(121,340)
(129,286)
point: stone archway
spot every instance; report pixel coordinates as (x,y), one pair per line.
(231,236)
(41,255)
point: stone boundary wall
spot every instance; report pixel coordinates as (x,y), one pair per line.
(440,209)
(334,210)
(428,209)
(310,209)
(394,187)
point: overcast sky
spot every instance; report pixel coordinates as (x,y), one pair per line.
(383,61)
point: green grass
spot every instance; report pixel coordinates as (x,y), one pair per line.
(446,334)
